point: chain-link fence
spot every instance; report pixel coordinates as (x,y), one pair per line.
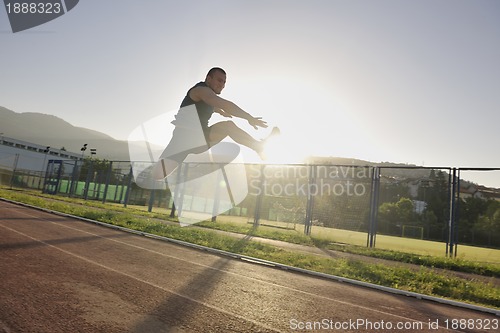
(88,179)
(414,202)
(477,207)
(347,204)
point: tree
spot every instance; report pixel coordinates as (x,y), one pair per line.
(487,227)
(437,197)
(392,215)
(406,209)
(470,211)
(96,167)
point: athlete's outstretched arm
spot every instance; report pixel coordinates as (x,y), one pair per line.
(207,95)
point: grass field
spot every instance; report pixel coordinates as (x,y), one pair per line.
(410,245)
(383,242)
(392,243)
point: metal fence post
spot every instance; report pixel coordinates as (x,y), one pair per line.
(374,200)
(74,179)
(108,179)
(260,197)
(451,223)
(174,196)
(16,160)
(216,204)
(87,180)
(456,215)
(129,185)
(181,184)
(449,238)
(310,200)
(151,199)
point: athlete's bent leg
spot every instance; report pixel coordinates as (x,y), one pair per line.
(224,129)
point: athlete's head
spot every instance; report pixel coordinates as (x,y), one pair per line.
(216,79)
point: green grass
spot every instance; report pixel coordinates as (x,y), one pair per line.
(323,235)
(410,245)
(292,236)
(423,280)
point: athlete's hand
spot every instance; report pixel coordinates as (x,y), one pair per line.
(257,122)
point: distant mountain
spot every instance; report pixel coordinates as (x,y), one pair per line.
(44,129)
(388,169)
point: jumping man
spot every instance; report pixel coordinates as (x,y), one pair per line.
(204,96)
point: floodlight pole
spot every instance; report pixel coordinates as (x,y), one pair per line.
(83,149)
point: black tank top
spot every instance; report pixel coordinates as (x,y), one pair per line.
(204,110)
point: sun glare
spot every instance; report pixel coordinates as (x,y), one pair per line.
(281,151)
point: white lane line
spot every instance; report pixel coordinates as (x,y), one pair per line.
(227,272)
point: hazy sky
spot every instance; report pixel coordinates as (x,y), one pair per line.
(401,81)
